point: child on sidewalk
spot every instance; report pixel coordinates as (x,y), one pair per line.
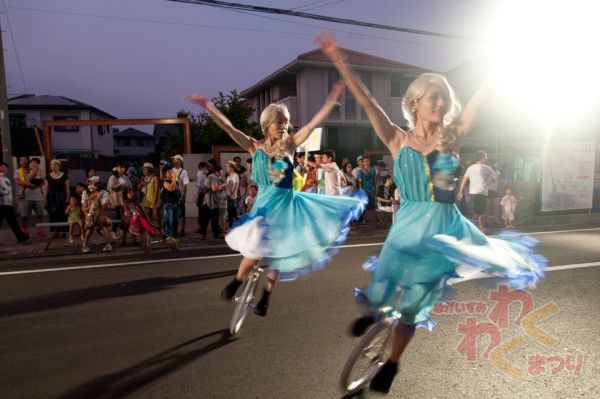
(130,206)
(509,208)
(75,219)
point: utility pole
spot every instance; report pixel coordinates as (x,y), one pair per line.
(4,125)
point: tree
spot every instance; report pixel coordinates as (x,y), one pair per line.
(206,133)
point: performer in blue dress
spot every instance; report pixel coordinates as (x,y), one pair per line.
(429,237)
(293,232)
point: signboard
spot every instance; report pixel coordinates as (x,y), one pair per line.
(313,142)
(567,175)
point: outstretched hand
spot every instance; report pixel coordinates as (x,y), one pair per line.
(326,40)
(197,99)
(336,92)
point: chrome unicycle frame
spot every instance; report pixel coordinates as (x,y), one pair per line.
(244,301)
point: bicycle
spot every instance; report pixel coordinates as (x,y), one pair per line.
(243,302)
(372,350)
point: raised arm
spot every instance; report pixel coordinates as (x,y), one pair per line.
(384,127)
(245,141)
(332,100)
(470,113)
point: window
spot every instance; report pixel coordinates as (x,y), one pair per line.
(398,87)
(66,128)
(17,121)
(366,78)
(349,105)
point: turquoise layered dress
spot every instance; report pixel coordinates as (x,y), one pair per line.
(430,238)
(293,232)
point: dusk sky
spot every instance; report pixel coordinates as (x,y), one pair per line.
(138,58)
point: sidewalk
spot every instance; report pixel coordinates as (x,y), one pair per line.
(9,249)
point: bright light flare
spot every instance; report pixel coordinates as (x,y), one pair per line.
(545,56)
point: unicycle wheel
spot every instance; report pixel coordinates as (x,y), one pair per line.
(243,302)
(367,357)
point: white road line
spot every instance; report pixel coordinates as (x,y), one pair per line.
(143,262)
(374,244)
(147,262)
(574,266)
(562,231)
(102,266)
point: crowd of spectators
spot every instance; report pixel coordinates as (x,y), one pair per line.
(223,195)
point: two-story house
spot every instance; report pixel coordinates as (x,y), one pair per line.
(133,145)
(30,110)
(304,83)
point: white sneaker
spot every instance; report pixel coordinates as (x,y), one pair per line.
(107,248)
(85,249)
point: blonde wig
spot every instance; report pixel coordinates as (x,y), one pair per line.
(416,90)
(282,147)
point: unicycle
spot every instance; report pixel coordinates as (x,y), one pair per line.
(244,301)
(368,355)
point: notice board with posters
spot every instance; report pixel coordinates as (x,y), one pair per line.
(567,175)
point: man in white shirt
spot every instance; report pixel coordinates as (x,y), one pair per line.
(359,166)
(333,175)
(480,177)
(183,180)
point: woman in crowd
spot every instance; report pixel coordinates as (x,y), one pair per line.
(170,197)
(57,197)
(118,182)
(270,229)
(414,266)
(350,178)
(150,187)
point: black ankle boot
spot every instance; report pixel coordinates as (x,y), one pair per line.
(231,288)
(263,304)
(360,325)
(384,377)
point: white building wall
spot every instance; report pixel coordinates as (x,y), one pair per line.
(66,141)
(103,143)
(85,139)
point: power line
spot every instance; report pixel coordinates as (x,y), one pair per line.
(315,4)
(154,21)
(323,5)
(141,20)
(300,14)
(12,38)
(308,5)
(354,34)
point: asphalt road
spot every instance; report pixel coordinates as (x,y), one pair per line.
(159,330)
